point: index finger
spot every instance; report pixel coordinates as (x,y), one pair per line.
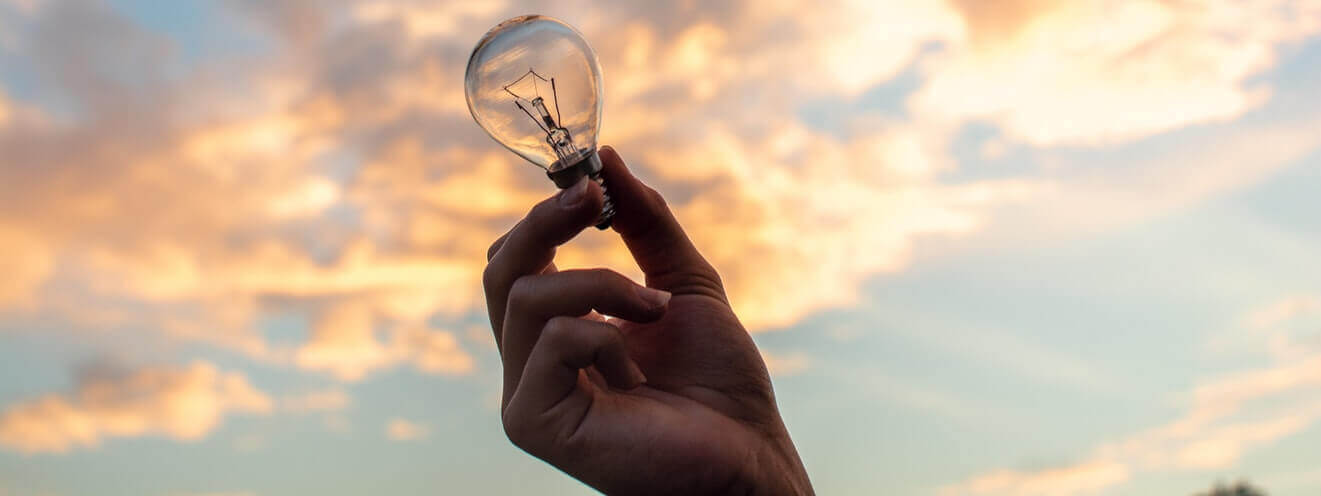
(530,246)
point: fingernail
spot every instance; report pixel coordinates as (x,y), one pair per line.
(636,372)
(573,195)
(654,297)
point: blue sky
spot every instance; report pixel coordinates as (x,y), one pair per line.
(1059,248)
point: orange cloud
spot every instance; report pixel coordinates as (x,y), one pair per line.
(26,264)
(1096,72)
(315,401)
(198,218)
(1222,447)
(1078,479)
(785,364)
(184,403)
(434,352)
(988,23)
(426,20)
(345,343)
(398,429)
(796,220)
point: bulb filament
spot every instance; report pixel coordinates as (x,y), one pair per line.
(557,136)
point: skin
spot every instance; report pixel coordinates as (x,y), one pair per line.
(670,396)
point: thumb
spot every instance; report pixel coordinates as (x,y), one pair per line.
(654,237)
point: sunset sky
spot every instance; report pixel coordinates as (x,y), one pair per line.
(1024,247)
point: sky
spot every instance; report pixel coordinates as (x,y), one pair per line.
(1035,247)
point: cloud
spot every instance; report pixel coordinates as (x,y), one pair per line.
(27,263)
(1286,328)
(25,6)
(1097,72)
(834,49)
(790,217)
(398,429)
(216,218)
(785,364)
(1090,194)
(184,403)
(1227,416)
(339,175)
(298,21)
(151,213)
(1078,479)
(434,352)
(422,20)
(987,24)
(316,401)
(1284,310)
(1200,440)
(345,343)
(1223,446)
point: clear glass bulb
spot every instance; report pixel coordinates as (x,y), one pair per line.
(534,85)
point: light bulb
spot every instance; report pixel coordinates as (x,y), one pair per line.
(534,85)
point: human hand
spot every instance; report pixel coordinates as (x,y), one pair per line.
(668,396)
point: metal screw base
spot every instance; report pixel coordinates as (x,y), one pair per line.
(589,166)
(608,205)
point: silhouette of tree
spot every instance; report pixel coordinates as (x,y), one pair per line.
(1240,488)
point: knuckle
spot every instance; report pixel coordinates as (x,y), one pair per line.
(515,429)
(491,277)
(559,330)
(604,277)
(655,197)
(522,291)
(712,276)
(609,341)
(500,242)
(546,209)
(571,338)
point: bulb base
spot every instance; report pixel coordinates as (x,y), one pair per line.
(589,166)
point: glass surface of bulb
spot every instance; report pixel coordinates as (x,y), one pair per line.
(534,85)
